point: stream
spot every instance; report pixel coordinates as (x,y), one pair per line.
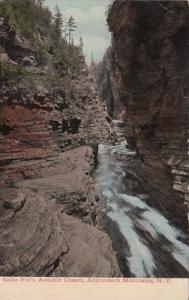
(145,242)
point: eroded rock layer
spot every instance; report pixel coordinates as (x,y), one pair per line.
(48,206)
(47,223)
(151,45)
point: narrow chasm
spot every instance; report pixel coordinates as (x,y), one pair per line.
(142,179)
(146,242)
(94,161)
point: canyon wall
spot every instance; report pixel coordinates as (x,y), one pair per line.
(50,118)
(151,46)
(108,81)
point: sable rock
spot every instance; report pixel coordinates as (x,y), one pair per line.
(150,45)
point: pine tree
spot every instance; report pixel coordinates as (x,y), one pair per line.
(58,25)
(81,45)
(65,32)
(71,25)
(92,59)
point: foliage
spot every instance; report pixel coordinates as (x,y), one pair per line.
(67,58)
(81,44)
(58,25)
(28,16)
(61,58)
(71,27)
(41,56)
(45,34)
(10,73)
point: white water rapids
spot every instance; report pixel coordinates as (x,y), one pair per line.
(147,245)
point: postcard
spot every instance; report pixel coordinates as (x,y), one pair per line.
(94,165)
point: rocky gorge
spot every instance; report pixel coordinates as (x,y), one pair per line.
(94,161)
(150,51)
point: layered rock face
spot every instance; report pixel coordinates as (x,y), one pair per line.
(47,223)
(34,132)
(119,110)
(48,206)
(151,45)
(108,80)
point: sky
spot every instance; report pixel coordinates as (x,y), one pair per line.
(91,21)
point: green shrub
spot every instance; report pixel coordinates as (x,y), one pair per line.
(10,73)
(67,58)
(41,56)
(28,16)
(61,59)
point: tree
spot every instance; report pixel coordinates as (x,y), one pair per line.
(92,59)
(65,31)
(58,25)
(71,26)
(81,45)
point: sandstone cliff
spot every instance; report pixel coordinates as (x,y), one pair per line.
(49,119)
(151,46)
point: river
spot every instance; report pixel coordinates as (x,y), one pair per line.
(145,242)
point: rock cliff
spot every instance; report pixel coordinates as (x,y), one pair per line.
(151,46)
(108,77)
(49,119)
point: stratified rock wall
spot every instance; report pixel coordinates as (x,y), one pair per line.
(47,223)
(42,112)
(108,80)
(48,206)
(151,46)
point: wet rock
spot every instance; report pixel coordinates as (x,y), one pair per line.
(150,46)
(90,252)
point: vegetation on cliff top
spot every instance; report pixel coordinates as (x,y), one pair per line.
(48,36)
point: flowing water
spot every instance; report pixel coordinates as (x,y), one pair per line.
(146,243)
